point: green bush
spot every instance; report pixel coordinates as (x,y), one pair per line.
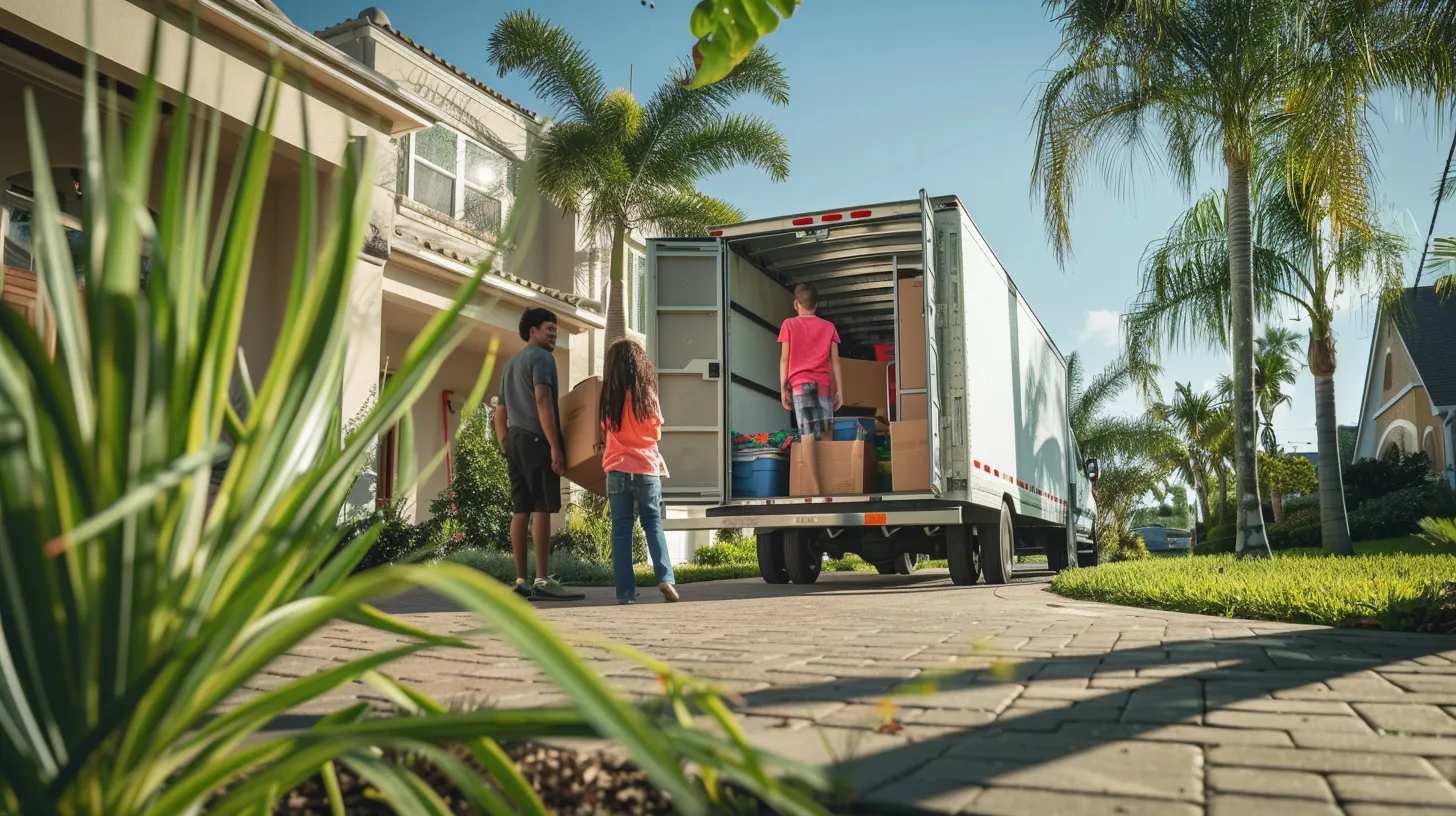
(743,551)
(1296,503)
(1310,535)
(1120,545)
(1315,589)
(398,539)
(1370,479)
(479,495)
(1282,535)
(1215,546)
(577,572)
(849,563)
(1399,513)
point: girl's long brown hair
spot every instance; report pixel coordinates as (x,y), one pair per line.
(627,373)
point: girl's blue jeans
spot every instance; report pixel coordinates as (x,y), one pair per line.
(632,496)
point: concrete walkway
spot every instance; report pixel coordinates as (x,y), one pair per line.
(1090,709)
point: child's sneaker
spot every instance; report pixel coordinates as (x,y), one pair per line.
(521,589)
(669,593)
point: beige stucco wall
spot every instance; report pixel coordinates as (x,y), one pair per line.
(1414,407)
(1402,370)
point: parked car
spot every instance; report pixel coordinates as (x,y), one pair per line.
(1165,539)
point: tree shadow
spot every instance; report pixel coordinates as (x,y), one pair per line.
(1195,679)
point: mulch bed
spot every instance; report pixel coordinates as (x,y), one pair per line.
(570,783)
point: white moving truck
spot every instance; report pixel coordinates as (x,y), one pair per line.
(995,471)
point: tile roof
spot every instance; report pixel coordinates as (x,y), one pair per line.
(378,19)
(1428,328)
(455,252)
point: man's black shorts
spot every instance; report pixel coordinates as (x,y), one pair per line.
(535,487)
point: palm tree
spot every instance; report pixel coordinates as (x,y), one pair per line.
(1193,423)
(1132,451)
(1196,78)
(623,165)
(1274,368)
(1443,256)
(1296,266)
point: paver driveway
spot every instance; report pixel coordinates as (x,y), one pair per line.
(1107,709)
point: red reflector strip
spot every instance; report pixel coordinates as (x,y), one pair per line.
(799,222)
(977,465)
(716,233)
(874,518)
(832,217)
(860,214)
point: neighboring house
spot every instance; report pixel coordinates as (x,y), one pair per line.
(1409,403)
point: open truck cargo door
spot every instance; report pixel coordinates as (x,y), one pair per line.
(685,342)
(932,350)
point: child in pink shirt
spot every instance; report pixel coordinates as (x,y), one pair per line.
(809,372)
(632,418)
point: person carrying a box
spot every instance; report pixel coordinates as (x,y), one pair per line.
(632,419)
(527,426)
(809,372)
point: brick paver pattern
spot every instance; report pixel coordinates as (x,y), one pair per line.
(1051,706)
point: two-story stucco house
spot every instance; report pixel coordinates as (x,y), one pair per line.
(453,185)
(1409,403)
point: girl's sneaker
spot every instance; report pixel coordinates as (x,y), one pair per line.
(669,593)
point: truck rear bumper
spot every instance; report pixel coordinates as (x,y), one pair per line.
(866,514)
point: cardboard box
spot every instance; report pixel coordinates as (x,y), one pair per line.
(585,439)
(910,354)
(866,385)
(845,469)
(913,406)
(910,455)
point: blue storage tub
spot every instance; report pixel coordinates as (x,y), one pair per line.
(760,477)
(844,429)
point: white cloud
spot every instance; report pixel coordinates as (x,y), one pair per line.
(1102,325)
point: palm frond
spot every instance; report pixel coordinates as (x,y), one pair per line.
(560,70)
(683,158)
(680,213)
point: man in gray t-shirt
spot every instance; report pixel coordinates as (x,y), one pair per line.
(529,431)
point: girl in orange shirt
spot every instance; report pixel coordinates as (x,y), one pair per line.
(634,467)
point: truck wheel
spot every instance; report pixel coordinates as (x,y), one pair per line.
(961,556)
(771,558)
(802,561)
(1056,552)
(903,564)
(996,548)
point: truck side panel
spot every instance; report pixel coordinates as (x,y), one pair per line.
(759,306)
(1016,388)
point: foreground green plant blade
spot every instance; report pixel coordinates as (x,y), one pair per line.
(156,602)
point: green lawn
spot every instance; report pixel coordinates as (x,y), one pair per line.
(1397,583)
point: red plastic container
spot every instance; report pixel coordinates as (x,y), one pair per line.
(884,352)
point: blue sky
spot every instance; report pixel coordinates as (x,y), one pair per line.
(938,94)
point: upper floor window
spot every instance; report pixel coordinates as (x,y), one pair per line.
(1389,373)
(636,291)
(457,177)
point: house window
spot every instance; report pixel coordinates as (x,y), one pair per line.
(1389,373)
(457,177)
(1428,446)
(636,291)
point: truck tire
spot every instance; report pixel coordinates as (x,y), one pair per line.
(771,558)
(996,546)
(802,561)
(1056,551)
(961,556)
(903,564)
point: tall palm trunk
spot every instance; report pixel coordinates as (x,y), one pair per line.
(1334,526)
(1250,518)
(617,287)
(1271,447)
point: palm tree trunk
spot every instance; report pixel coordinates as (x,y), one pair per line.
(617,288)
(1222,495)
(1334,526)
(1250,517)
